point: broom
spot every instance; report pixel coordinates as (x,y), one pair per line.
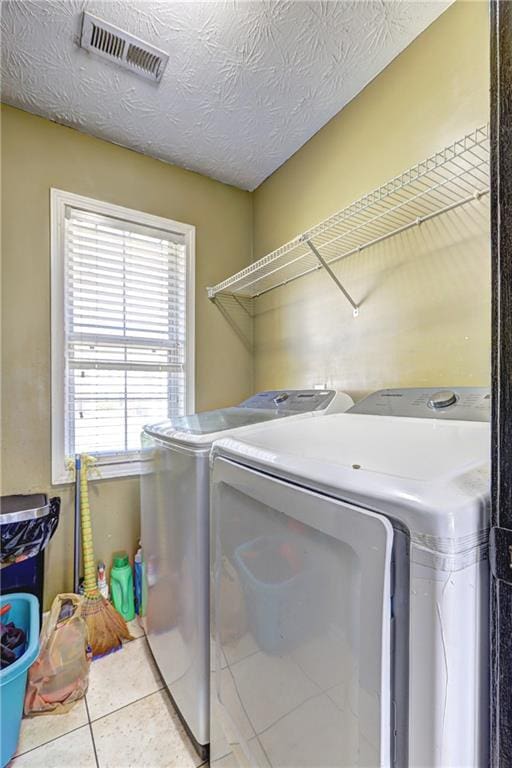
(107,628)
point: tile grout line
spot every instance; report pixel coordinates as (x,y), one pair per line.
(203,764)
(90,722)
(45,743)
(135,701)
(129,642)
(92,734)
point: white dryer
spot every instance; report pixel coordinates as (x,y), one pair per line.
(349,576)
(175,536)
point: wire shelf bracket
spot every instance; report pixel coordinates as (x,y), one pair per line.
(452,177)
(331,274)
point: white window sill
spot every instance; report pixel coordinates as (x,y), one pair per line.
(106,471)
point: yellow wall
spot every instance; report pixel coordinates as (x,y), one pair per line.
(37,155)
(425,295)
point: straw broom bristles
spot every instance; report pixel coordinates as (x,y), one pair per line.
(107,628)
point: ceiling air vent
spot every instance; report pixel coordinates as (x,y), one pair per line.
(128,51)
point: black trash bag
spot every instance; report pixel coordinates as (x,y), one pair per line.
(27,538)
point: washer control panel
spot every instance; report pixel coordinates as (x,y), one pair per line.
(460,403)
(293,400)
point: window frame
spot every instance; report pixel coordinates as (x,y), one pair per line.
(117,465)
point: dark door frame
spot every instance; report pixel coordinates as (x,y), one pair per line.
(501,457)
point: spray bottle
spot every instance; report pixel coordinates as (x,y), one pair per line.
(102,580)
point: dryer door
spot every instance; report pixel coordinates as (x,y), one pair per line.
(301,616)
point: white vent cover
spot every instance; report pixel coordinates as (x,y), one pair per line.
(128,51)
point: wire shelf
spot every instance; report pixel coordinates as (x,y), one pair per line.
(456,175)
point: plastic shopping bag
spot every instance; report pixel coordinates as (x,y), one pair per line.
(60,675)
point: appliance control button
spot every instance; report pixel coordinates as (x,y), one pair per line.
(281,398)
(442,399)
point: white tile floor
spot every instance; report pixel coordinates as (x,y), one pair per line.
(125,720)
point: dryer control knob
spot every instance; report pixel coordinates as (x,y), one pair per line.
(442,399)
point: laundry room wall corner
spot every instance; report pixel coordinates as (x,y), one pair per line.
(425,294)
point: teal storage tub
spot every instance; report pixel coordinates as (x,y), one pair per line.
(24,613)
(276,595)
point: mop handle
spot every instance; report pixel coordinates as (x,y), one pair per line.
(76,562)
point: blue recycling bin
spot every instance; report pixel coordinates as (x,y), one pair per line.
(24,612)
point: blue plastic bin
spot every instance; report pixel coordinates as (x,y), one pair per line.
(281,609)
(13,679)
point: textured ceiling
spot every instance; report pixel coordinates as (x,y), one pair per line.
(246,85)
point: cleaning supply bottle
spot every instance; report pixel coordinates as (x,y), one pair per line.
(138,581)
(102,579)
(144,599)
(121,586)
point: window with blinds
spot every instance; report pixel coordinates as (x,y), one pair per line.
(125,334)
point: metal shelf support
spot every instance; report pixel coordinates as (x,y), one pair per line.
(333,277)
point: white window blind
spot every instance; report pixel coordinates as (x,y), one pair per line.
(125,332)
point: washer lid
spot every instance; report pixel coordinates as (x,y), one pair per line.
(204,428)
(432,475)
(201,429)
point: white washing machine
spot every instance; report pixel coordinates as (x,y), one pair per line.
(350,587)
(175,537)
